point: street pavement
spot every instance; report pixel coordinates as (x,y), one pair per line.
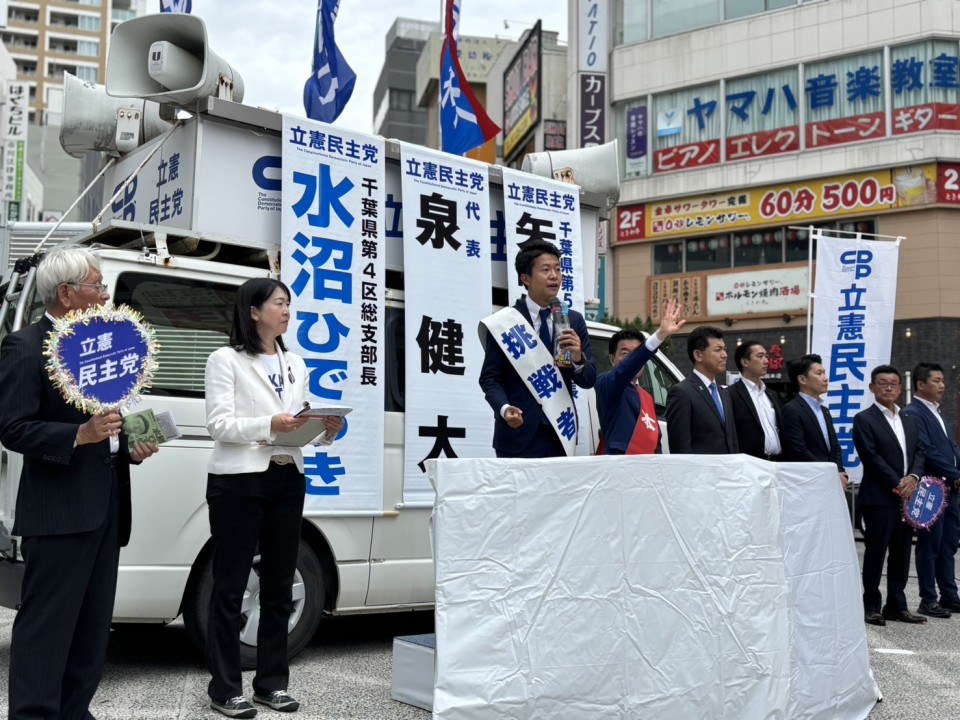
(154,673)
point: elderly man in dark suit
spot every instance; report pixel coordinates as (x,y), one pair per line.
(521,429)
(699,411)
(73,508)
(756,408)
(937,545)
(888,444)
(806,432)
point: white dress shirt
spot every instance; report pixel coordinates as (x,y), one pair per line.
(896,424)
(766,413)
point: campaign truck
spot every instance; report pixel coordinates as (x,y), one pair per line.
(393,253)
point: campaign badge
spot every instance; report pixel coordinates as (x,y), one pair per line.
(927,503)
(101,358)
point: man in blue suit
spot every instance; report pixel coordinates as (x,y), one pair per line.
(699,412)
(628,418)
(521,430)
(936,546)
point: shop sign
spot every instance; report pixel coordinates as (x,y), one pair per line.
(759,291)
(798,202)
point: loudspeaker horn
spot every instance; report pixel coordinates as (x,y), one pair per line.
(167,58)
(91,122)
(595,168)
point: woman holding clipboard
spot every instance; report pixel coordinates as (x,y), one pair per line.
(255,493)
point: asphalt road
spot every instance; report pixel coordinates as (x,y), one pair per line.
(154,673)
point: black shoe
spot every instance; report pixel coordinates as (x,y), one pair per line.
(874,618)
(278,700)
(904,616)
(951,605)
(238,707)
(933,610)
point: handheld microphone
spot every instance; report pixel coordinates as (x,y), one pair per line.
(561,321)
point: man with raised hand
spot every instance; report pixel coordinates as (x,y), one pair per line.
(628,417)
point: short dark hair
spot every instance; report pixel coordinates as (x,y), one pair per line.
(620,336)
(922,372)
(884,370)
(252,294)
(529,252)
(700,339)
(744,351)
(801,366)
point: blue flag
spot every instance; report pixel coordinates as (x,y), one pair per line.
(328,89)
(176,6)
(464,123)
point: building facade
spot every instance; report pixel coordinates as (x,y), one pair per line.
(396,113)
(744,123)
(46,38)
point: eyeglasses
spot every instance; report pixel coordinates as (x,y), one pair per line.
(888,385)
(99,287)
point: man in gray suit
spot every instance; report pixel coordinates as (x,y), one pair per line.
(73,508)
(699,411)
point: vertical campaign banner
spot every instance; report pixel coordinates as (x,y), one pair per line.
(15,118)
(537,208)
(332,261)
(446,254)
(854,301)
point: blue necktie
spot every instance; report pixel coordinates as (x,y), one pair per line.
(716,399)
(545,329)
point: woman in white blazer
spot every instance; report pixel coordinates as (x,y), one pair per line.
(255,493)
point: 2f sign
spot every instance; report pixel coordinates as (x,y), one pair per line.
(857,262)
(630,225)
(594,36)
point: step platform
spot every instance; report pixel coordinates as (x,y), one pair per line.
(413,663)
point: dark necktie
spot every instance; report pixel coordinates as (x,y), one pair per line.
(716,399)
(545,329)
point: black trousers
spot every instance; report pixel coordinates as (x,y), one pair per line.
(883,530)
(59,642)
(246,511)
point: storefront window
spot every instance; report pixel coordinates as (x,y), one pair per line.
(733,9)
(676,16)
(921,73)
(762,247)
(667,258)
(632,23)
(708,253)
(768,246)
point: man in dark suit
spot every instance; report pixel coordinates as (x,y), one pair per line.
(628,417)
(699,411)
(937,545)
(806,430)
(520,427)
(756,408)
(888,444)
(73,508)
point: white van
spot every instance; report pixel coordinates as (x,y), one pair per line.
(347,564)
(183,280)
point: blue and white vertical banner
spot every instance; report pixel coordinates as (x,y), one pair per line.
(332,261)
(446,255)
(538,208)
(854,301)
